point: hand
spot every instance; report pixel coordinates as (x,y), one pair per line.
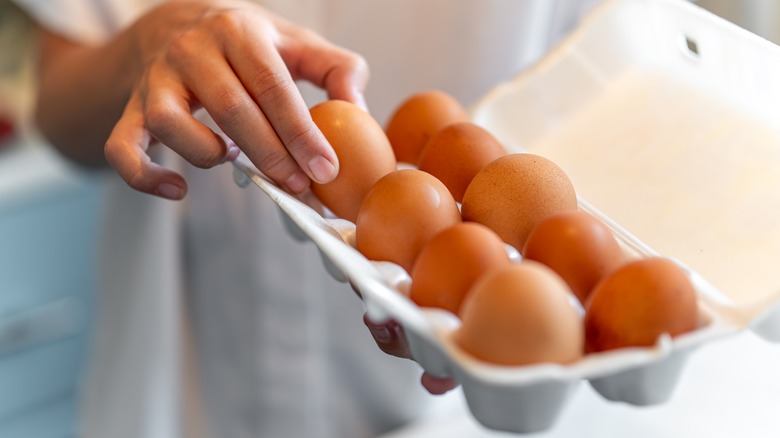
(390,338)
(239,62)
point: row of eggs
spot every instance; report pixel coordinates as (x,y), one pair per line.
(448,218)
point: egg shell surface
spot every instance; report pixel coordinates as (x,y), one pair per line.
(457,152)
(364,154)
(401,212)
(514,193)
(520,315)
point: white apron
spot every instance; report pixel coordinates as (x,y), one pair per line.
(280,347)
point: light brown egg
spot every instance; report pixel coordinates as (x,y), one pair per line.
(519,315)
(514,193)
(364,153)
(457,152)
(452,261)
(418,118)
(401,212)
(576,245)
(637,303)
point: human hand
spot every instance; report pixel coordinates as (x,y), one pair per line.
(390,338)
(238,62)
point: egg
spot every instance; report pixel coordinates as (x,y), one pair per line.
(520,315)
(418,118)
(457,152)
(450,263)
(400,213)
(514,193)
(576,245)
(364,152)
(639,302)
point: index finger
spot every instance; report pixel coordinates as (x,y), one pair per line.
(271,86)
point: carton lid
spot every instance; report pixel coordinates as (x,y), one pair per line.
(665,117)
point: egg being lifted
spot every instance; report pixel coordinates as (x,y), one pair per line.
(400,213)
(364,153)
(418,118)
(514,193)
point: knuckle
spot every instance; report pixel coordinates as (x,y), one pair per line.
(183,46)
(206,158)
(227,20)
(270,86)
(231,105)
(275,162)
(160,119)
(307,34)
(137,181)
(135,178)
(110,151)
(301,139)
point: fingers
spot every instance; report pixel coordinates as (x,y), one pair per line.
(240,66)
(266,78)
(237,114)
(437,385)
(389,337)
(125,151)
(163,115)
(168,116)
(342,73)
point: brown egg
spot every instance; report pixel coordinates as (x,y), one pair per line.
(457,152)
(364,153)
(401,212)
(452,261)
(576,245)
(514,193)
(419,117)
(521,314)
(637,303)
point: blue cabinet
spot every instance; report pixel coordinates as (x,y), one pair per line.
(49,228)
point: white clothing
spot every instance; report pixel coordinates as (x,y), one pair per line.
(281,347)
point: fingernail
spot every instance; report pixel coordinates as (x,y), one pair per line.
(323,170)
(232,153)
(170,191)
(297,182)
(360,100)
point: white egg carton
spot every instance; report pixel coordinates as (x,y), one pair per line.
(666,118)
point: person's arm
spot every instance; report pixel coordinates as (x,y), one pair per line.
(82,92)
(233,58)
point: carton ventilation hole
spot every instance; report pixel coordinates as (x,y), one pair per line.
(689,46)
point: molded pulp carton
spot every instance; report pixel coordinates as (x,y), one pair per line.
(665,117)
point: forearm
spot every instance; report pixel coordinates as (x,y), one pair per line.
(82,92)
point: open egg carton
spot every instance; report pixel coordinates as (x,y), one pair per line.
(665,118)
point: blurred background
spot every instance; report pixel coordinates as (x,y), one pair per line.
(761,17)
(49,213)
(49,227)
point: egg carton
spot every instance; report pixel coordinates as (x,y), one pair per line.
(664,116)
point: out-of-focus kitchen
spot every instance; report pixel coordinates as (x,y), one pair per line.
(49,216)
(50,212)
